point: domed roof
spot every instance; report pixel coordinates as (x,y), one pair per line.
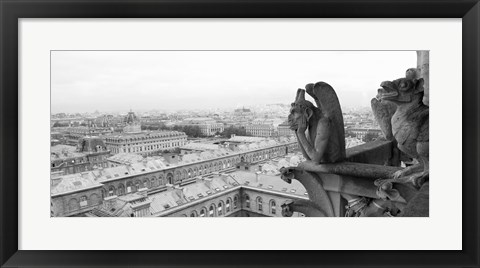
(130,118)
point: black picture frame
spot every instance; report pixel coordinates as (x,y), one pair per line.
(12,10)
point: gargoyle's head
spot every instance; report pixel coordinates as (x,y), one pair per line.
(402,90)
(301,111)
(286,174)
(286,209)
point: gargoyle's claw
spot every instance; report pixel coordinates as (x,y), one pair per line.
(419,180)
(385,191)
(379,182)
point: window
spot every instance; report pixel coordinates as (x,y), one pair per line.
(220,209)
(259,204)
(247,201)
(235,202)
(273,207)
(227,206)
(194,214)
(111,191)
(211,211)
(83,201)
(121,189)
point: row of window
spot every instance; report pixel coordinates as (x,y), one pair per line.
(145,141)
(259,201)
(152,147)
(187,174)
(84,201)
(149,183)
(216,210)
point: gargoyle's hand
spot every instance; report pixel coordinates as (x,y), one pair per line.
(302,125)
(385,190)
(287,174)
(286,209)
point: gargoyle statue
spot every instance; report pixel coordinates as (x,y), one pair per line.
(321,138)
(305,207)
(409,128)
(383,112)
(325,142)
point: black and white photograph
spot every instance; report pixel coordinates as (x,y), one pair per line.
(239,133)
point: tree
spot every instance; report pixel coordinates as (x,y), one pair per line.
(58,124)
(239,131)
(190,131)
(349,133)
(370,136)
(154,126)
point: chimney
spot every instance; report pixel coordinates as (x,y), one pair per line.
(257,176)
(142,192)
(170,187)
(179,192)
(208,182)
(54,181)
(109,201)
(141,209)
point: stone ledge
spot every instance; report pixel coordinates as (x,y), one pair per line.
(376,152)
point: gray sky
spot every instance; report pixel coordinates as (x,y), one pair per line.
(85,81)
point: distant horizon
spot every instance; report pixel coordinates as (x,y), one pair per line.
(125,111)
(85,81)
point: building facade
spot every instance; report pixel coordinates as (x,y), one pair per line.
(208,126)
(284,130)
(145,143)
(134,140)
(361,133)
(239,197)
(261,128)
(73,134)
(155,175)
(90,153)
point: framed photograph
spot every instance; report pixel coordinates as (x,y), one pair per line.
(236,133)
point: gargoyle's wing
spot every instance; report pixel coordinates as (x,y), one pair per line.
(383,112)
(327,100)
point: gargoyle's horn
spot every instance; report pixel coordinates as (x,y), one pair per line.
(309,88)
(300,95)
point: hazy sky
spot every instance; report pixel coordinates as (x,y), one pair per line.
(85,81)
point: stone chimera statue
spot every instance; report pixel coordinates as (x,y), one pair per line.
(319,130)
(409,127)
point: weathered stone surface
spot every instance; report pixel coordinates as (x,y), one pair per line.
(383,112)
(376,152)
(314,186)
(423,65)
(370,171)
(418,205)
(410,125)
